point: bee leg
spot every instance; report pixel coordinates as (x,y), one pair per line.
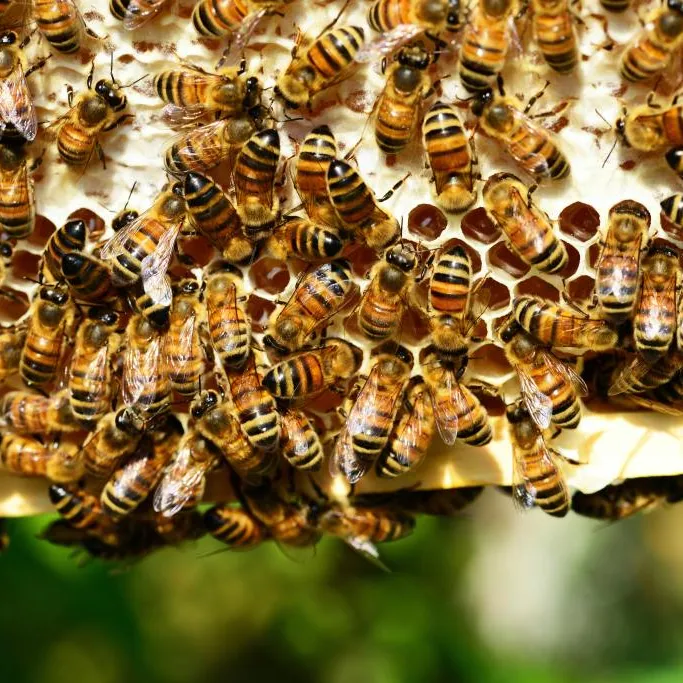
(530,191)
(535,98)
(118,122)
(395,187)
(91,74)
(100,154)
(70,95)
(38,65)
(650,101)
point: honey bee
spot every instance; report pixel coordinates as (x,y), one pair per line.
(309,372)
(674,158)
(183,347)
(672,391)
(319,64)
(115,437)
(451,157)
(50,316)
(537,475)
(437,502)
(29,457)
(651,51)
(654,319)
(555,34)
(369,418)
(235,527)
(135,13)
(87,278)
(457,411)
(319,296)
(528,229)
(90,114)
(672,208)
(17,202)
(412,433)
(649,128)
(254,406)
(146,384)
(304,239)
(554,325)
(60,23)
(550,388)
(82,510)
(618,267)
(358,209)
(12,342)
(299,443)
(26,413)
(384,301)
(398,109)
(68,238)
(531,146)
(637,375)
(254,177)
(90,375)
(225,17)
(485,43)
(229,327)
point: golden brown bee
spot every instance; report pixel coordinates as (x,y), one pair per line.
(12,342)
(183,347)
(537,476)
(29,457)
(225,17)
(618,267)
(451,157)
(88,278)
(135,13)
(70,237)
(528,229)
(254,176)
(554,325)
(17,203)
(386,298)
(254,407)
(235,527)
(229,326)
(638,375)
(90,375)
(369,418)
(649,128)
(485,43)
(437,502)
(299,443)
(399,104)
(309,372)
(458,412)
(50,315)
(60,23)
(651,51)
(555,34)
(82,510)
(27,413)
(412,433)
(357,207)
(319,64)
(550,388)
(672,208)
(319,296)
(531,146)
(304,239)
(654,319)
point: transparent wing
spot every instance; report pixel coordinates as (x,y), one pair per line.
(97,368)
(183,481)
(632,372)
(415,428)
(539,405)
(662,306)
(139,13)
(246,28)
(15,189)
(206,138)
(138,365)
(177,360)
(117,244)
(368,550)
(523,491)
(180,117)
(14,91)
(153,273)
(447,411)
(568,372)
(388,43)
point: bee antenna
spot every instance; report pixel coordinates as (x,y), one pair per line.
(597,111)
(130,194)
(137,80)
(609,154)
(111,66)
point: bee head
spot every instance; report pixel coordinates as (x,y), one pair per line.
(8,38)
(6,250)
(205,402)
(111,93)
(55,296)
(516,413)
(123,219)
(481,101)
(453,16)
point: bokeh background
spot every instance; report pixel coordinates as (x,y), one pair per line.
(494,596)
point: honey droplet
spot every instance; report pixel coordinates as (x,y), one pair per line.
(537,286)
(259,311)
(573,260)
(477,225)
(361,258)
(198,249)
(42,231)
(593,254)
(581,288)
(472,253)
(93,223)
(497,293)
(579,220)
(427,221)
(501,257)
(270,275)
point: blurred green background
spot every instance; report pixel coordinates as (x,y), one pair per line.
(493,596)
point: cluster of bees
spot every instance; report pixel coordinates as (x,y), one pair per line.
(141,375)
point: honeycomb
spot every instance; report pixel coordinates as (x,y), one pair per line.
(613,442)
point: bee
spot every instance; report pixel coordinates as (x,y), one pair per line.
(672,208)
(29,457)
(135,13)
(225,17)
(90,374)
(384,301)
(60,23)
(537,475)
(651,51)
(618,267)
(550,388)
(235,527)
(358,209)
(90,114)
(51,314)
(398,108)
(437,502)
(369,418)
(485,43)
(318,296)
(115,437)
(674,158)
(68,238)
(531,146)
(254,177)
(17,201)
(672,391)
(309,372)
(457,411)
(146,385)
(649,128)
(451,158)
(12,342)
(300,444)
(555,34)
(87,278)
(182,346)
(654,319)
(319,64)
(637,375)
(528,229)
(254,406)
(304,239)
(554,325)
(412,433)
(26,413)
(228,322)
(211,212)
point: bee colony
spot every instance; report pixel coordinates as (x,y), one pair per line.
(321,269)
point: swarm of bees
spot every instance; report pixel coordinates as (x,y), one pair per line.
(141,373)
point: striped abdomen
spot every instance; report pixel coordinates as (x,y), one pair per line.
(310,241)
(449,286)
(318,150)
(23,455)
(322,293)
(380,312)
(75,143)
(229,327)
(199,149)
(385,15)
(234,527)
(398,111)
(185,88)
(301,375)
(43,349)
(82,510)
(90,384)
(534,149)
(556,38)
(350,196)
(17,204)
(566,412)
(87,277)
(26,413)
(545,478)
(138,245)
(60,23)
(616,282)
(484,49)
(300,444)
(219,17)
(330,54)
(67,239)
(654,321)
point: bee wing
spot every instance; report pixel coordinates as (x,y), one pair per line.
(176,361)
(206,138)
(545,464)
(368,550)
(417,425)
(539,405)
(139,13)
(246,28)
(630,373)
(388,43)
(154,267)
(137,366)
(180,117)
(613,285)
(182,481)
(14,189)
(446,412)
(116,245)
(13,91)
(97,367)
(569,373)
(479,302)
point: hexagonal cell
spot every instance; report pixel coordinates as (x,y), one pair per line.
(593,254)
(473,254)
(498,294)
(573,260)
(199,249)
(537,286)
(477,225)
(93,223)
(270,275)
(41,232)
(494,403)
(581,288)
(14,305)
(361,258)
(414,326)
(579,220)
(25,265)
(489,361)
(427,221)
(500,256)
(259,311)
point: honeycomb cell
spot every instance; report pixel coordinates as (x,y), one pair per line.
(494,403)
(537,286)
(25,265)
(477,225)
(496,294)
(259,311)
(414,326)
(41,232)
(361,258)
(93,223)
(198,249)
(581,288)
(573,260)
(593,254)
(427,221)
(489,361)
(14,305)
(579,220)
(270,275)
(500,256)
